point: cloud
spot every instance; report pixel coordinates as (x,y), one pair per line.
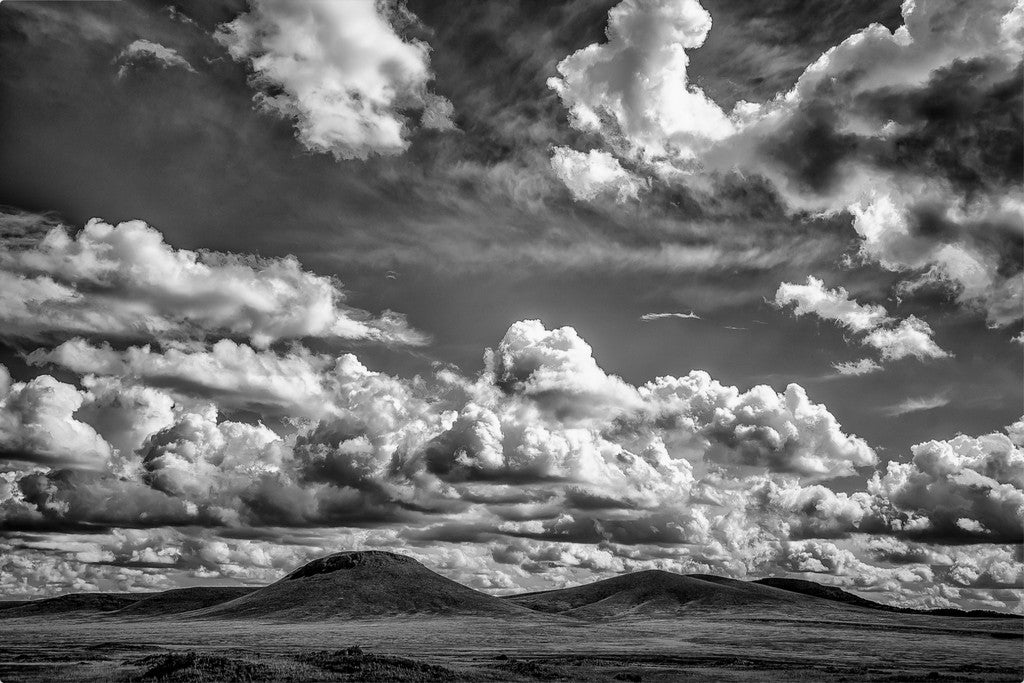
(556,368)
(594,173)
(902,239)
(543,464)
(634,87)
(916,405)
(145,51)
(966,489)
(125,282)
(830,304)
(542,428)
(785,433)
(648,317)
(340,71)
(234,375)
(911,337)
(924,157)
(911,152)
(862,366)
(37,425)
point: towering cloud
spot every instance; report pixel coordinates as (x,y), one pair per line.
(340,71)
(37,426)
(634,87)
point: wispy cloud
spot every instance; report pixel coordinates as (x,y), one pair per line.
(916,405)
(863,366)
(648,317)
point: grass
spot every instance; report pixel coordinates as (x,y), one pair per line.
(777,645)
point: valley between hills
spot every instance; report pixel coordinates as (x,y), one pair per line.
(374,615)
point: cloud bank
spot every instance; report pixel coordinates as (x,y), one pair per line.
(543,463)
(125,282)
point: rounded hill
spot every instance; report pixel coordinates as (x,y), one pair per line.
(361,584)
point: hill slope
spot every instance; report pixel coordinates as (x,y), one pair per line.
(835,594)
(354,585)
(83,603)
(181,600)
(658,593)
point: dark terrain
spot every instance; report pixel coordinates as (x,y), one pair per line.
(380,616)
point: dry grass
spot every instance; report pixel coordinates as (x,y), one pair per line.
(777,644)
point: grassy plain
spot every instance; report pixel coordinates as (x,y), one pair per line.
(776,645)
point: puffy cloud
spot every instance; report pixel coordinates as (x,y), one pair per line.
(146,51)
(911,337)
(817,557)
(634,87)
(963,489)
(234,375)
(198,455)
(588,175)
(806,511)
(125,281)
(784,433)
(556,368)
(542,429)
(125,416)
(830,304)
(340,71)
(38,425)
(987,567)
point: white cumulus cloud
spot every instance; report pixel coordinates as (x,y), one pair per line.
(340,71)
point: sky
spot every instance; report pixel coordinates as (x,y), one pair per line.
(536,292)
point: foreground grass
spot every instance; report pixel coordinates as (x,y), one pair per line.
(697,647)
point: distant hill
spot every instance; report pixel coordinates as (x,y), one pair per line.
(353,585)
(371,584)
(653,593)
(835,594)
(85,603)
(181,600)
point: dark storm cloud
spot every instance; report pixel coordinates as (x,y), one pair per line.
(756,49)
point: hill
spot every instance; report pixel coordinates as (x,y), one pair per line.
(180,600)
(656,592)
(84,603)
(355,585)
(835,594)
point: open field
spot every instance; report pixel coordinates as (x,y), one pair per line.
(726,647)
